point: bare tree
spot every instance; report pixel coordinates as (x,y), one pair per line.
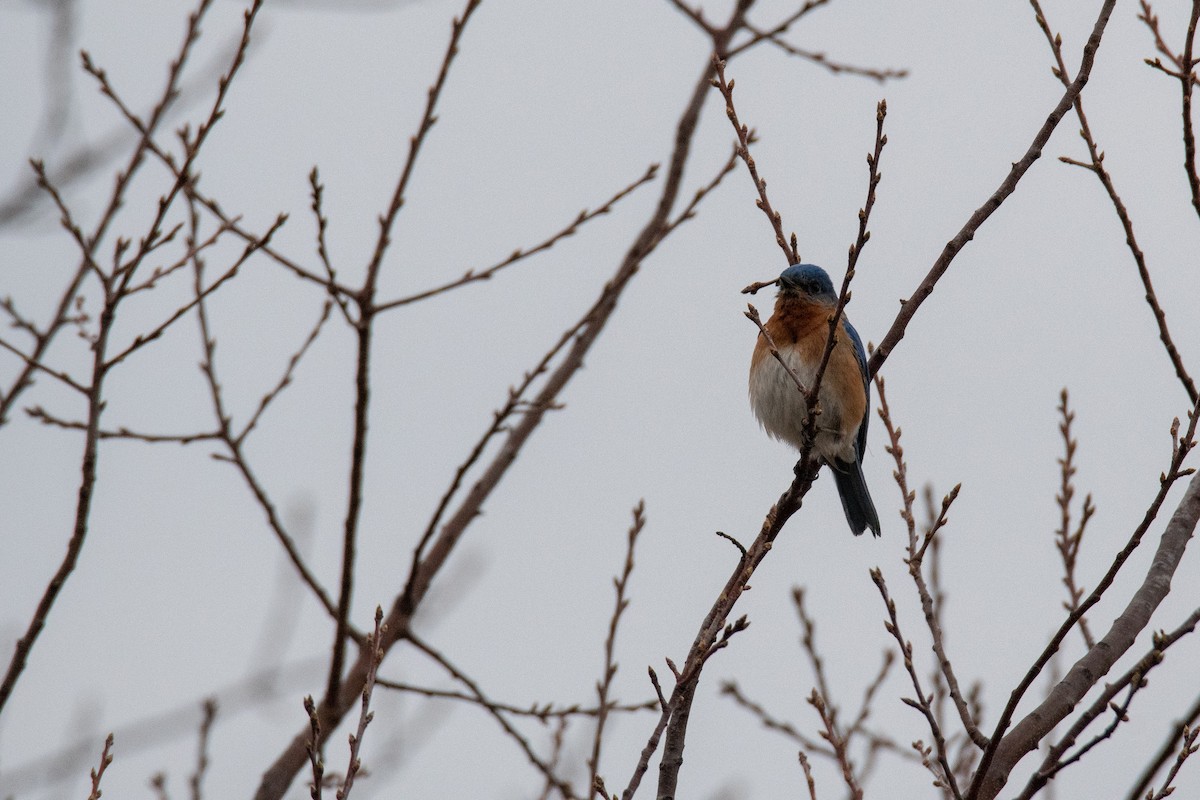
(164,250)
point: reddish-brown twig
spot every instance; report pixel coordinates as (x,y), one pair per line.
(838,742)
(652,743)
(317,192)
(234,443)
(562,786)
(1068,539)
(556,751)
(471,276)
(916,554)
(196,780)
(544,712)
(689,211)
(1178,729)
(364,299)
(778,28)
(375,654)
(808,776)
(745,138)
(946,778)
(731,690)
(620,583)
(1187,746)
(835,67)
(313,749)
(98,772)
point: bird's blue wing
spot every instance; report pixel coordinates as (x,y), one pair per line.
(860,353)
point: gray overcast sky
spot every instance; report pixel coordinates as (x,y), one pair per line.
(550,108)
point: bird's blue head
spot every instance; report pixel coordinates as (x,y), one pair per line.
(807,280)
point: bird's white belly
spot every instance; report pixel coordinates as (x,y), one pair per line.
(781,409)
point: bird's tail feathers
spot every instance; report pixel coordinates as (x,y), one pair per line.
(856,500)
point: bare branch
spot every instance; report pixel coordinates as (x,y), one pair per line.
(838,743)
(604,685)
(143,339)
(472,276)
(835,67)
(375,654)
(1178,729)
(1187,746)
(916,555)
(1023,738)
(196,781)
(388,219)
(689,210)
(1131,682)
(652,743)
(945,779)
(544,768)
(1006,188)
(778,29)
(1096,166)
(732,690)
(543,713)
(1067,540)
(98,773)
(745,139)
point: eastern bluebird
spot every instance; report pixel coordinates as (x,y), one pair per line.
(799,328)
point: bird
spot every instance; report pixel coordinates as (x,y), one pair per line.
(799,327)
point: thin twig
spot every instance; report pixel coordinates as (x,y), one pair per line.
(652,743)
(375,654)
(838,743)
(500,418)
(778,29)
(604,685)
(286,379)
(689,211)
(98,772)
(196,781)
(731,690)
(143,339)
(556,751)
(745,138)
(1187,746)
(808,776)
(543,713)
(520,254)
(428,118)
(1178,728)
(561,785)
(234,444)
(317,192)
(835,67)
(914,561)
(946,777)
(1068,540)
(314,749)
